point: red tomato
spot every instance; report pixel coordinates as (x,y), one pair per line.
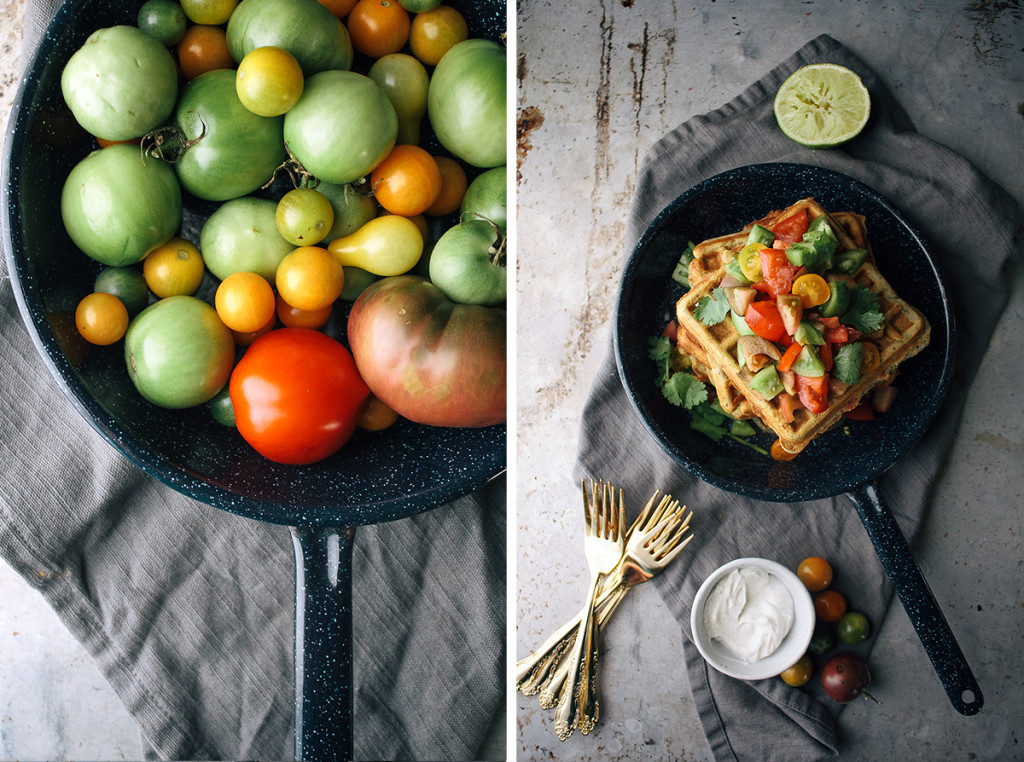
(862,412)
(813,393)
(764,319)
(792,228)
(777,271)
(297,395)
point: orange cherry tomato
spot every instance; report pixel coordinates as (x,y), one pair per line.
(829,606)
(245,302)
(433,33)
(310,278)
(296,318)
(202,49)
(173,268)
(815,573)
(407,182)
(245,338)
(781,453)
(101,318)
(453,187)
(378,27)
(812,290)
(376,415)
(870,358)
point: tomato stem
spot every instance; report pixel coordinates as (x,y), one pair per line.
(168,143)
(298,174)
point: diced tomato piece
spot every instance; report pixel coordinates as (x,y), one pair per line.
(792,228)
(835,332)
(671,331)
(764,319)
(776,271)
(813,393)
(789,357)
(862,412)
(788,405)
(777,244)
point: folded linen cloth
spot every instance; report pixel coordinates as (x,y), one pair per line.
(189,610)
(957,210)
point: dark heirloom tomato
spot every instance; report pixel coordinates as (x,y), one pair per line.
(432,361)
(297,395)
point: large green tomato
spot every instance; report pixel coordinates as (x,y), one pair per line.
(468,263)
(178,352)
(430,360)
(120,84)
(466,102)
(405,80)
(235,151)
(117,207)
(242,236)
(304,28)
(342,127)
(487,197)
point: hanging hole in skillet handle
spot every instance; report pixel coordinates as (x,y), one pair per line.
(939,643)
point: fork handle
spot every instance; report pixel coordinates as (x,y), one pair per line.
(567,711)
(587,708)
(532,670)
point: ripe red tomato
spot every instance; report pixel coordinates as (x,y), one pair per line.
(829,606)
(764,319)
(792,228)
(297,395)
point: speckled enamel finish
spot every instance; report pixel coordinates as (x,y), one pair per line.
(835,462)
(839,461)
(376,477)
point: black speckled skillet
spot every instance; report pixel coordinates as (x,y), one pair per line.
(834,464)
(375,478)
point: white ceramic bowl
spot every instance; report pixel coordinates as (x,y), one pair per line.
(792,647)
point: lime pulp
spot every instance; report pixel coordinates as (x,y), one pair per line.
(822,105)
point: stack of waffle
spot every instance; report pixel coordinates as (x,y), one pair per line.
(904,332)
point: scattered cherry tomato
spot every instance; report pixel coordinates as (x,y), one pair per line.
(310,278)
(433,33)
(407,182)
(245,302)
(799,673)
(453,187)
(202,49)
(853,628)
(829,605)
(208,11)
(376,415)
(296,318)
(101,318)
(815,573)
(174,268)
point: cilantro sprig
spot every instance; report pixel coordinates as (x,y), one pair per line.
(713,308)
(862,312)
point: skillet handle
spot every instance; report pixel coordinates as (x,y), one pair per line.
(918,601)
(323,643)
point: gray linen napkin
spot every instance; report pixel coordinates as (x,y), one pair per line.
(957,210)
(188,610)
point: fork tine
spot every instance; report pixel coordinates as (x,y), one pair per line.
(587,509)
(620,518)
(667,558)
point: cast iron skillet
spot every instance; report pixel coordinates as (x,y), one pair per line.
(835,463)
(375,478)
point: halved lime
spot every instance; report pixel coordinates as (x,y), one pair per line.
(822,105)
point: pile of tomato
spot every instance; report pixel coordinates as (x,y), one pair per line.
(349,159)
(835,623)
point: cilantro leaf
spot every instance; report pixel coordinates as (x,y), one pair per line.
(685,390)
(681,273)
(862,312)
(708,422)
(712,309)
(847,363)
(661,352)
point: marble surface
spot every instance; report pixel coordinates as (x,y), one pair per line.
(599,83)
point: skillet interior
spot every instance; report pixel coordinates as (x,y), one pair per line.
(376,477)
(836,462)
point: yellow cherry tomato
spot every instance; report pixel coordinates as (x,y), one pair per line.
(176,268)
(433,33)
(870,358)
(750,261)
(208,11)
(310,278)
(812,290)
(245,302)
(376,415)
(101,318)
(799,673)
(386,245)
(269,81)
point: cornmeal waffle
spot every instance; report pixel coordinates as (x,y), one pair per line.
(904,333)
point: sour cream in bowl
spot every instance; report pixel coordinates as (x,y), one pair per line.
(752,619)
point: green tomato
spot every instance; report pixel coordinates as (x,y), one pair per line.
(468,263)
(304,216)
(120,84)
(126,283)
(352,209)
(487,197)
(117,207)
(235,151)
(356,281)
(419,6)
(241,236)
(853,628)
(222,408)
(342,127)
(466,102)
(163,20)
(178,352)
(405,81)
(305,28)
